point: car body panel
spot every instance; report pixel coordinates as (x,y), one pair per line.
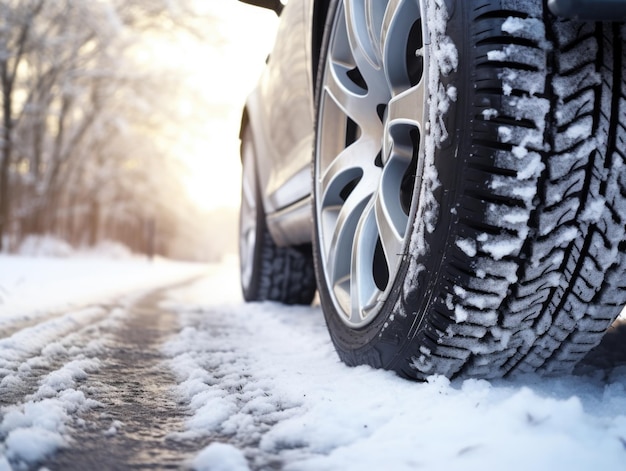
(283,131)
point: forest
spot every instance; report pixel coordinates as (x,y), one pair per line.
(87,127)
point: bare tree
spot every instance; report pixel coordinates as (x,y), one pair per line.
(19,17)
(79,155)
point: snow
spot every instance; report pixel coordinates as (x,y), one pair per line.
(32,285)
(32,444)
(593,211)
(53,294)
(37,427)
(468,246)
(265,377)
(263,387)
(490,113)
(444,61)
(220,457)
(502,246)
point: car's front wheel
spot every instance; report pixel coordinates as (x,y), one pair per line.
(469,188)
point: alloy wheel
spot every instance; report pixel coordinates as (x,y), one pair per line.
(368,151)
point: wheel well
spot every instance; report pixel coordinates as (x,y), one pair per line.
(320,12)
(245,119)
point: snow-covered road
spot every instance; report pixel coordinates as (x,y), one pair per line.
(190,377)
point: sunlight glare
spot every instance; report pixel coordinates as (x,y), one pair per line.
(219,74)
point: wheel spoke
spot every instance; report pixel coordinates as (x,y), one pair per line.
(350,165)
(352,101)
(391,220)
(407,107)
(389,18)
(340,223)
(364,19)
(364,292)
(401,44)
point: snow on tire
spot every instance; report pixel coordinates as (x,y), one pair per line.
(513,254)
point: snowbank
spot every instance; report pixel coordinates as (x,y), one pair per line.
(49,276)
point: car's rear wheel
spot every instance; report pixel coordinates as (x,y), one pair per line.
(268,272)
(468,184)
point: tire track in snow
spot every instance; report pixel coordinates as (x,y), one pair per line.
(13,326)
(35,348)
(88,390)
(132,427)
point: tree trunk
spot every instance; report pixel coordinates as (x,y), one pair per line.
(6,156)
(94,226)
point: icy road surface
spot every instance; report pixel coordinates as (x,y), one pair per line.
(188,377)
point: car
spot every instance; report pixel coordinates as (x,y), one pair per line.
(449,176)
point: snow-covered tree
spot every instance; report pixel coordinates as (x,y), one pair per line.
(85,128)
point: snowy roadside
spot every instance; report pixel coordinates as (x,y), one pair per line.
(56,314)
(264,382)
(34,285)
(49,360)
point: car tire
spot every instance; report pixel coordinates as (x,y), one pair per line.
(268,272)
(469,186)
